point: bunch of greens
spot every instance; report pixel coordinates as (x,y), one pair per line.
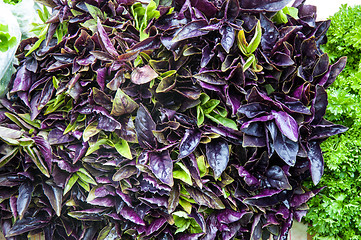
(13,2)
(6,41)
(334,213)
(188,120)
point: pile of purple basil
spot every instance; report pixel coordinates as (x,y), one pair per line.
(196,119)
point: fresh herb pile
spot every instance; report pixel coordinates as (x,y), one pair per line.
(170,120)
(335,212)
(6,41)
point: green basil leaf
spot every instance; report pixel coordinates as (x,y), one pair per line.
(200,115)
(85,176)
(182,173)
(222,120)
(210,105)
(70,183)
(123,148)
(90,131)
(256,40)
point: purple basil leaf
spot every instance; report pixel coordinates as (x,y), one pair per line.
(228,37)
(285,148)
(162,166)
(286,124)
(212,228)
(232,10)
(205,198)
(144,126)
(191,164)
(282,59)
(333,72)
(316,161)
(247,177)
(217,153)
(227,216)
(268,5)
(300,199)
(26,224)
(104,39)
(57,137)
(25,194)
(45,149)
(92,214)
(155,225)
(124,172)
(267,197)
(319,104)
(23,80)
(142,75)
(325,131)
(129,214)
(191,30)
(55,196)
(277,178)
(198,217)
(189,236)
(189,142)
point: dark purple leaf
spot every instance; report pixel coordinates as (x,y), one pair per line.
(228,36)
(191,164)
(300,199)
(55,196)
(266,5)
(131,215)
(232,10)
(285,148)
(92,214)
(325,131)
(277,178)
(227,216)
(25,194)
(247,177)
(144,126)
(124,172)
(286,124)
(45,149)
(198,217)
(267,197)
(282,59)
(105,41)
(333,72)
(23,80)
(212,228)
(191,30)
(155,225)
(26,224)
(189,142)
(217,153)
(316,161)
(319,104)
(57,137)
(162,166)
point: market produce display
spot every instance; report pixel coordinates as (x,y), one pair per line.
(335,212)
(165,120)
